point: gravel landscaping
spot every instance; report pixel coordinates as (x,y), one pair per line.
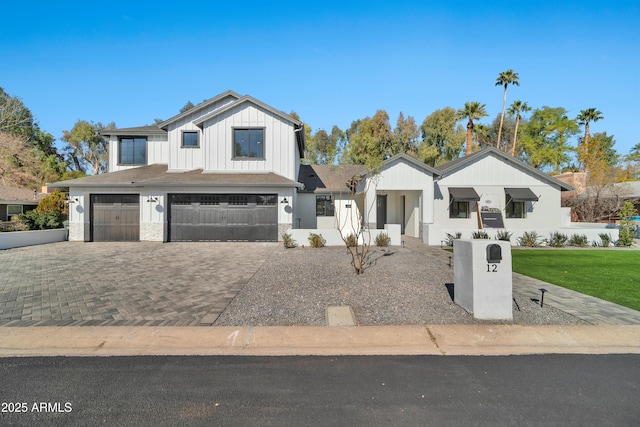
(401,286)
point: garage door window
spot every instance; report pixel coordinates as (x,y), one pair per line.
(238,200)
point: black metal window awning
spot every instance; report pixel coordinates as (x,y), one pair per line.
(521,194)
(463,194)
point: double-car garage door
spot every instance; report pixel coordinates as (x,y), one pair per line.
(223,217)
(191,217)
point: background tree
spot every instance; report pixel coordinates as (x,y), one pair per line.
(584,118)
(86,149)
(20,164)
(471,111)
(505,79)
(516,109)
(368,140)
(545,138)
(405,136)
(322,148)
(442,137)
(188,106)
(20,128)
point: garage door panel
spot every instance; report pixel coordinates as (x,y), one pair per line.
(115,217)
(222,218)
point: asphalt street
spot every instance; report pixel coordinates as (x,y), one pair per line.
(579,390)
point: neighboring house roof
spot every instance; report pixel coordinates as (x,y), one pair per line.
(19,196)
(452,166)
(135,131)
(158,176)
(629,190)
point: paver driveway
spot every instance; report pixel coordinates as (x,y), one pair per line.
(72,283)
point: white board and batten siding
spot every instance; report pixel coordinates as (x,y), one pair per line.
(489,176)
(216,150)
(190,158)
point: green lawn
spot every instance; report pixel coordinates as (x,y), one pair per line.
(612,275)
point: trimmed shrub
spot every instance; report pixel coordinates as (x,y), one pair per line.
(450,238)
(42,221)
(480,234)
(627,225)
(383,240)
(558,240)
(288,241)
(316,240)
(605,239)
(351,240)
(579,240)
(503,235)
(530,239)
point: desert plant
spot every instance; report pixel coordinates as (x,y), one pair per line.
(530,239)
(605,239)
(316,240)
(503,235)
(382,240)
(627,225)
(351,240)
(288,241)
(450,238)
(558,240)
(480,234)
(579,240)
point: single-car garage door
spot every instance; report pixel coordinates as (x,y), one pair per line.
(223,218)
(115,217)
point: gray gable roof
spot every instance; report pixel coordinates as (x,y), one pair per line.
(411,160)
(202,105)
(325,179)
(452,166)
(158,176)
(135,131)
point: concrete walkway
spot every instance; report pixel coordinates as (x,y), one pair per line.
(590,309)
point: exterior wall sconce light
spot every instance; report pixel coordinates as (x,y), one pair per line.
(71,200)
(152,199)
(285,201)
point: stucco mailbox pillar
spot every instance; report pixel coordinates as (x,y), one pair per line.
(482,278)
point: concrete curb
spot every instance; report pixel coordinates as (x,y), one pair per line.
(477,340)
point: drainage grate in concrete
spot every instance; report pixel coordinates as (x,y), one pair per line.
(340,316)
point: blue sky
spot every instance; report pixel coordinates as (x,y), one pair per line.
(330,61)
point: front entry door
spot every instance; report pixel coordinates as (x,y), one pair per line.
(402,214)
(381,210)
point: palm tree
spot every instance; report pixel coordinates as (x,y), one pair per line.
(516,108)
(505,79)
(586,116)
(471,111)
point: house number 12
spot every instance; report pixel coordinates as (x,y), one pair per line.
(492,268)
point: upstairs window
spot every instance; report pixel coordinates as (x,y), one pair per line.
(133,151)
(248,143)
(190,140)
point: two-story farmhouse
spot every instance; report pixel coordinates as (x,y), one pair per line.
(230,169)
